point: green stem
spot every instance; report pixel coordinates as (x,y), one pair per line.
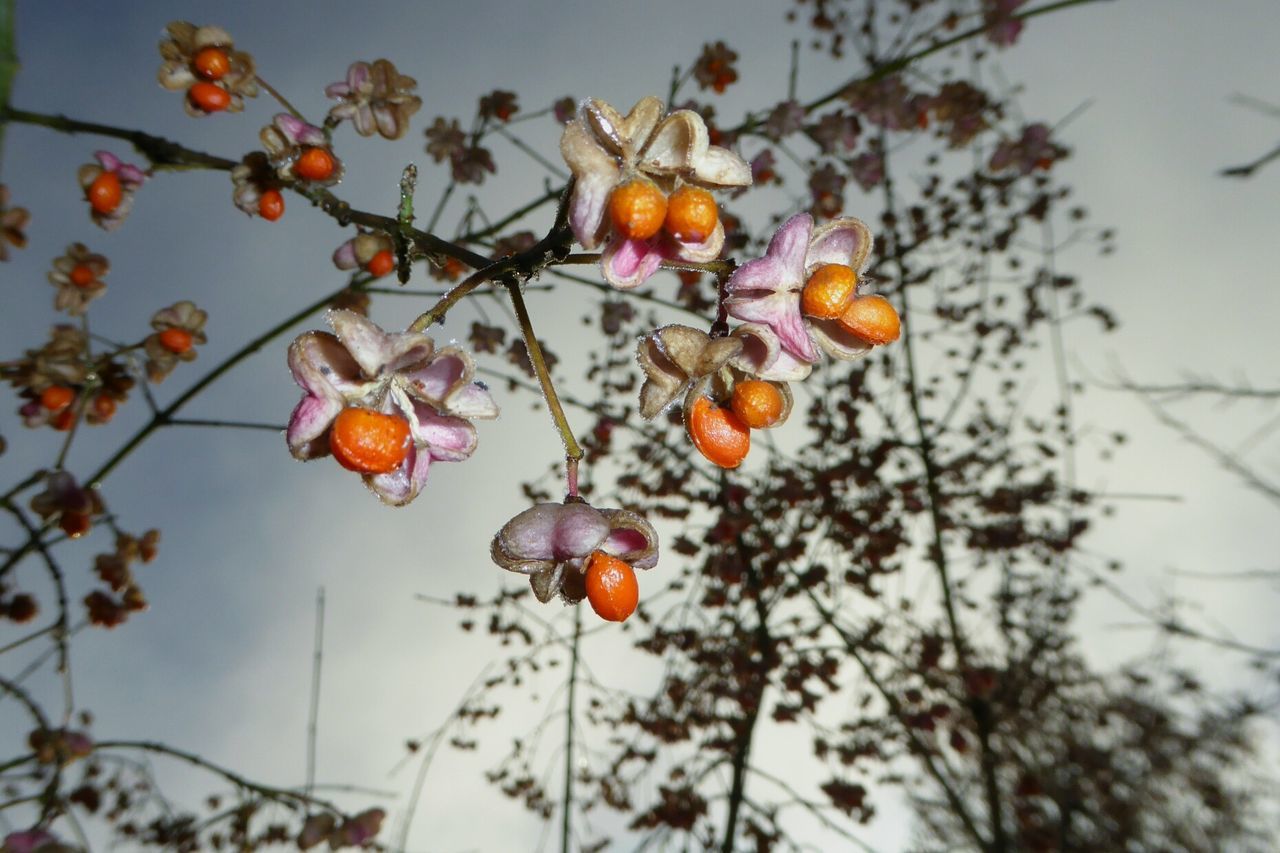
(8,62)
(571,449)
(283,101)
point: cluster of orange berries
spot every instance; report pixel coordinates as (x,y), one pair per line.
(831,294)
(58,401)
(211,64)
(638,210)
(722,433)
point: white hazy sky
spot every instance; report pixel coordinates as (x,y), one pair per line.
(221,662)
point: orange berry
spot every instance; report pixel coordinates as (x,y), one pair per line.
(718,433)
(691,214)
(56,397)
(105,193)
(81,276)
(315,164)
(209,97)
(104,406)
(637,209)
(64,419)
(369,442)
(211,63)
(381,264)
(74,524)
(828,291)
(757,403)
(873,319)
(271,205)
(612,588)
(176,341)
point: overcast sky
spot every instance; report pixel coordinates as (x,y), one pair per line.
(221,663)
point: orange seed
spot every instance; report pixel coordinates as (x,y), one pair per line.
(56,397)
(271,205)
(315,164)
(105,193)
(211,63)
(757,403)
(369,442)
(64,419)
(176,341)
(691,214)
(718,433)
(612,588)
(74,524)
(104,406)
(872,318)
(209,97)
(381,264)
(81,275)
(828,291)
(637,209)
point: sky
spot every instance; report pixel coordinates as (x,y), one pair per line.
(222,661)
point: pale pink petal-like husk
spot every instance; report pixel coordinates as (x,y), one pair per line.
(845,241)
(298,131)
(700,253)
(676,144)
(664,380)
(783,265)
(324,369)
(547,532)
(175,75)
(781,313)
(762,355)
(402,485)
(447,438)
(720,167)
(435,380)
(109,161)
(545,578)
(130,174)
(319,362)
(445,382)
(358,76)
(375,350)
(113,220)
(344,257)
(388,122)
(837,341)
(596,173)
(627,264)
(472,401)
(631,538)
(309,425)
(621,136)
(767,290)
(601,122)
(210,35)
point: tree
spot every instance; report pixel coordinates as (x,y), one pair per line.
(877,559)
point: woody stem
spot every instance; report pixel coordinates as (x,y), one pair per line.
(572,451)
